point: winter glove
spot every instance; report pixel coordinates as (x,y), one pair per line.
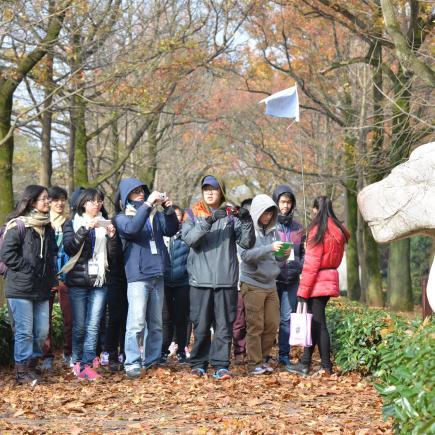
(244,214)
(301,299)
(217,214)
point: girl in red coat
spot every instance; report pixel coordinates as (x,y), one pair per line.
(319,281)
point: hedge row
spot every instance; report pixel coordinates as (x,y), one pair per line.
(397,354)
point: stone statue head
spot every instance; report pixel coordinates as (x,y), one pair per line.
(403,203)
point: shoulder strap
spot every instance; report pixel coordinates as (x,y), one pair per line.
(21,229)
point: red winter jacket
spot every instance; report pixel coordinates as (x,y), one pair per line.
(319,274)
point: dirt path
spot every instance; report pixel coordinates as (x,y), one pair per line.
(170,400)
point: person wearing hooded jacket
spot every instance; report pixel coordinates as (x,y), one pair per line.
(211,231)
(259,270)
(146,261)
(288,230)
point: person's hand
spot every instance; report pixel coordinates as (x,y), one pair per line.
(276,246)
(111,231)
(154,198)
(302,300)
(220,213)
(93,223)
(287,252)
(167,203)
(243,214)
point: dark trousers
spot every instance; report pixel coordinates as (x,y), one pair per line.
(175,317)
(212,307)
(239,328)
(65,307)
(115,332)
(319,333)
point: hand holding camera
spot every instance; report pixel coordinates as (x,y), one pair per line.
(220,213)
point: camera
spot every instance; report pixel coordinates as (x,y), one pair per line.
(163,196)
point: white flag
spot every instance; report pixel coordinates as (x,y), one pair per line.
(283,104)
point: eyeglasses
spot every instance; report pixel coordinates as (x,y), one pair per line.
(138,190)
(95,202)
(210,189)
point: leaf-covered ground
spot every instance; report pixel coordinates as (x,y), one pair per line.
(171,400)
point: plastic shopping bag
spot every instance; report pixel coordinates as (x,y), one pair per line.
(300,326)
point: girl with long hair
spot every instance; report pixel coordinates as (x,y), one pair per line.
(326,241)
(29,251)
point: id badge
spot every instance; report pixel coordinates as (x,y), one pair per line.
(153,247)
(291,257)
(92,267)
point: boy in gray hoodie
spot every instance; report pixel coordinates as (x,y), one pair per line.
(259,270)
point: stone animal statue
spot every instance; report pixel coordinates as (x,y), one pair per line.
(403,203)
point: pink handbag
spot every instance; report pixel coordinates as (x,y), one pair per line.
(300,326)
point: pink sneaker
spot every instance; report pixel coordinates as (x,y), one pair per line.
(96,363)
(89,373)
(76,368)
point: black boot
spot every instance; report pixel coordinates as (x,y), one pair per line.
(114,364)
(23,375)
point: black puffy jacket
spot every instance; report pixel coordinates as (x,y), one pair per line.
(29,276)
(72,241)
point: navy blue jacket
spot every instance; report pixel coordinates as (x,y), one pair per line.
(290,230)
(135,232)
(178,253)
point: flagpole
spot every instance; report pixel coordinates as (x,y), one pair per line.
(303,177)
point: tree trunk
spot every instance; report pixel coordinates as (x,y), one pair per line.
(399,276)
(80,142)
(375,296)
(352,263)
(6,158)
(47,116)
(149,173)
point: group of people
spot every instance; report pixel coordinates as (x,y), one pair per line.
(154,272)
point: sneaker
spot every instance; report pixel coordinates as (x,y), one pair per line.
(89,373)
(187,352)
(76,368)
(173,349)
(198,372)
(259,370)
(133,372)
(67,361)
(96,363)
(323,371)
(267,368)
(181,358)
(104,358)
(222,374)
(299,369)
(164,359)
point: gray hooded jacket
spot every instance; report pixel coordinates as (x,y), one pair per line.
(259,266)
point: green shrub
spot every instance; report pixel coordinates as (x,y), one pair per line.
(396,353)
(6,337)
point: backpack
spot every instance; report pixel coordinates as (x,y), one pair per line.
(22,231)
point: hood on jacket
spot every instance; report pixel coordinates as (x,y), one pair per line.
(280,190)
(259,205)
(126,186)
(74,198)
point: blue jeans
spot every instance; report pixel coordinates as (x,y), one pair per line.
(144,323)
(87,305)
(287,305)
(31,328)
